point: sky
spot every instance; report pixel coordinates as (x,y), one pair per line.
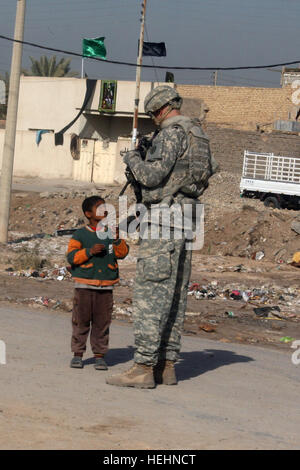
(197,33)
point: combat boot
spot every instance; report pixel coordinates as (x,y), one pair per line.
(138,376)
(164,373)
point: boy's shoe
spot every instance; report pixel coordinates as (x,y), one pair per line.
(76,362)
(100,364)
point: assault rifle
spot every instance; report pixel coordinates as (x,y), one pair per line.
(142,148)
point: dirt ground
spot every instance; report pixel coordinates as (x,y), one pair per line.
(227,281)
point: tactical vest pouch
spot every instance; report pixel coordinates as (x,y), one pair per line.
(198,161)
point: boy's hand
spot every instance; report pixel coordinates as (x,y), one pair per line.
(97,248)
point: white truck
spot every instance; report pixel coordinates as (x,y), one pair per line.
(275,180)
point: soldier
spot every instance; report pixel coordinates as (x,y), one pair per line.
(166,177)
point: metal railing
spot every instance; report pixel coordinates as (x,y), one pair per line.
(267,166)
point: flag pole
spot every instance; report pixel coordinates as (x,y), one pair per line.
(82,67)
(82,60)
(138,79)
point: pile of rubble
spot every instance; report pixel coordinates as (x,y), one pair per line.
(243,227)
(48,211)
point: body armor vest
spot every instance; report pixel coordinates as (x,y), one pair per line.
(192,169)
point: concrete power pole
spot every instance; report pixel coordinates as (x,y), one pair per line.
(11,122)
(215,78)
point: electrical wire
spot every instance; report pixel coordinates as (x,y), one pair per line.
(130,64)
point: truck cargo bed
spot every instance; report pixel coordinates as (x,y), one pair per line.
(269,173)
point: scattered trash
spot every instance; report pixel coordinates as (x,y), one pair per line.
(230,314)
(286,339)
(296,257)
(202,292)
(34,274)
(245,296)
(265,311)
(296,260)
(207,327)
(263,297)
(239,268)
(259,255)
(60,233)
(55,273)
(236,295)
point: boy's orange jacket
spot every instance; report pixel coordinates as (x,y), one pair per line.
(97,270)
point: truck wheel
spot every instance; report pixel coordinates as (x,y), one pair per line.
(272,202)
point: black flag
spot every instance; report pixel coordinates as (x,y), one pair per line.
(169,77)
(90,88)
(156,49)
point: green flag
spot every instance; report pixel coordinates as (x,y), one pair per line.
(94,48)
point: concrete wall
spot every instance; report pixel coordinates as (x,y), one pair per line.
(49,102)
(242,107)
(43,160)
(125,95)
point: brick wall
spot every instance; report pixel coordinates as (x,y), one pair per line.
(242,107)
(228,145)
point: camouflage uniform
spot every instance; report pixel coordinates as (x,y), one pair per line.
(175,172)
(162,277)
(163,266)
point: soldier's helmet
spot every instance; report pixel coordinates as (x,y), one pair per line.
(159,97)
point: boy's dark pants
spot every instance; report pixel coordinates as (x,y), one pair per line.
(91,308)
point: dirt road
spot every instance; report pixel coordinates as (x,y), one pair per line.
(229,396)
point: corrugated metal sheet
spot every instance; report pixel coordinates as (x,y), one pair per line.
(287,126)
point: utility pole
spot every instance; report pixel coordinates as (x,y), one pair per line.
(215,77)
(138,78)
(11,122)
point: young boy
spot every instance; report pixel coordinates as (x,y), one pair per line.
(94,269)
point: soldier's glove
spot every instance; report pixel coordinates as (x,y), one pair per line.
(128,156)
(144,145)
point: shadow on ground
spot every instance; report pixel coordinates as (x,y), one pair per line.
(197,363)
(191,364)
(115,356)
